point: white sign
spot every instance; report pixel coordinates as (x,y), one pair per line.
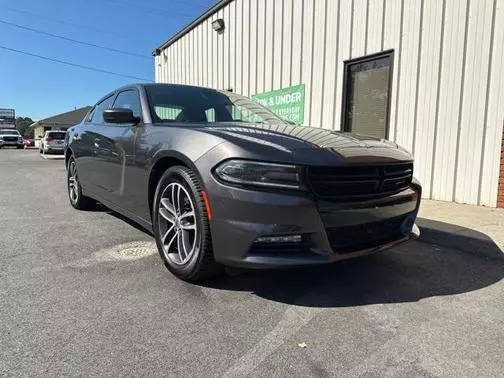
(7,119)
(7,113)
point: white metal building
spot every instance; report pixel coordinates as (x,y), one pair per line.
(428,74)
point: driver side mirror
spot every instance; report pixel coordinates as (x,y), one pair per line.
(119,115)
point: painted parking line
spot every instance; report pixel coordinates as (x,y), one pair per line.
(52,157)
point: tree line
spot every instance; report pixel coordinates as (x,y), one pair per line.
(23,126)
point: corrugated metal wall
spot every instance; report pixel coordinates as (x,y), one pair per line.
(448,81)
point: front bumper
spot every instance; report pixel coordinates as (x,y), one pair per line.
(5,143)
(331,231)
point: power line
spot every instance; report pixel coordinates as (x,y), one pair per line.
(73,24)
(74,40)
(73,64)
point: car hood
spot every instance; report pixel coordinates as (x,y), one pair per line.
(308,144)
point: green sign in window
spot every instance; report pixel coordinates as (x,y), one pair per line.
(287,103)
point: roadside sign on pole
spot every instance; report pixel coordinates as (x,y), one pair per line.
(7,118)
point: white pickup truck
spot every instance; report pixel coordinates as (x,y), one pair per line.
(11,138)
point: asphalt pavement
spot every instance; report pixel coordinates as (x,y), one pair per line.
(85,293)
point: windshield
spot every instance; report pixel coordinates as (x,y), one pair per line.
(9,132)
(203,105)
(60,135)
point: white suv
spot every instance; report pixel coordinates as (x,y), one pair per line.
(11,137)
(52,141)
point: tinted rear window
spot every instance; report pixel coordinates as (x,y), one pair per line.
(59,136)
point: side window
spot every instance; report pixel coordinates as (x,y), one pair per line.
(128,100)
(99,108)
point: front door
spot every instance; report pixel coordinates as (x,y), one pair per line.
(115,153)
(85,146)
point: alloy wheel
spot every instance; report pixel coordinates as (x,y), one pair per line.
(73,183)
(178,227)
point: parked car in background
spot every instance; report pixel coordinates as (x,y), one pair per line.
(221,180)
(28,142)
(11,138)
(52,141)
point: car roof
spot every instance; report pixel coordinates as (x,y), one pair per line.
(146,85)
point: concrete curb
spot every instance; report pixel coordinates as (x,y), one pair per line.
(458,237)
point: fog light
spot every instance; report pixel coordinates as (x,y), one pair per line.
(279,239)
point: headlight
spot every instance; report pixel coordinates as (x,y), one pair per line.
(262,174)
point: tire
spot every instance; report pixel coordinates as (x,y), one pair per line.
(186,252)
(20,147)
(74,189)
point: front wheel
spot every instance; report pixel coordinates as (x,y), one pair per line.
(181,226)
(77,199)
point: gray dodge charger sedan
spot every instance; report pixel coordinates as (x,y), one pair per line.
(222,181)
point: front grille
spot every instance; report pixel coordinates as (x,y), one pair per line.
(354,238)
(10,139)
(359,181)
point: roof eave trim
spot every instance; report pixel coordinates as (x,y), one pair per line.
(186,29)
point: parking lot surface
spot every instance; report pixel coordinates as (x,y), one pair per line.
(86,293)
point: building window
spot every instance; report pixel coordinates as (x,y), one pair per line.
(366,94)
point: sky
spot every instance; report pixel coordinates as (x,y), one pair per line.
(39,89)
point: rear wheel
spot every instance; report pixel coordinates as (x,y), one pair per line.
(181,226)
(77,199)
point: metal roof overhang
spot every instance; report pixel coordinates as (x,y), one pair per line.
(208,13)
